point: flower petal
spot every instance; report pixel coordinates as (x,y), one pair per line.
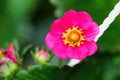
(60,50)
(73,18)
(91,30)
(77,16)
(80,53)
(51,40)
(66,52)
(69,15)
(92,47)
(56,28)
(11,53)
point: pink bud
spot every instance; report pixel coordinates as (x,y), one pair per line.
(7,55)
(42,56)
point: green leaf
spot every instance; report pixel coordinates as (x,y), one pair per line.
(55,61)
(25,49)
(18,9)
(46,72)
(16,45)
(98,67)
(110,39)
(12,13)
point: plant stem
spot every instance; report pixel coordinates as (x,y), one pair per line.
(60,63)
(6,78)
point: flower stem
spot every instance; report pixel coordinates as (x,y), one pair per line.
(60,63)
(6,78)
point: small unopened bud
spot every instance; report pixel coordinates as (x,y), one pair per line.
(42,56)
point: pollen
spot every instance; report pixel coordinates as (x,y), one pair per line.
(1,54)
(73,37)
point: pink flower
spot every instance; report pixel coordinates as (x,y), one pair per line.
(72,36)
(7,55)
(8,61)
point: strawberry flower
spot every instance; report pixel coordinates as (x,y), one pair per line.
(72,36)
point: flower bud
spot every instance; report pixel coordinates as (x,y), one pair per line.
(41,56)
(8,61)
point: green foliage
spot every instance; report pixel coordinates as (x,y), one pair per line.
(18,9)
(110,39)
(46,72)
(12,14)
(98,67)
(9,69)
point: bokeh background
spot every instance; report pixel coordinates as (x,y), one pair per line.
(28,21)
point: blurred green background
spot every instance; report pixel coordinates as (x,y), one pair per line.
(30,20)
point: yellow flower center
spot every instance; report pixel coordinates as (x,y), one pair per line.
(73,37)
(1,54)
